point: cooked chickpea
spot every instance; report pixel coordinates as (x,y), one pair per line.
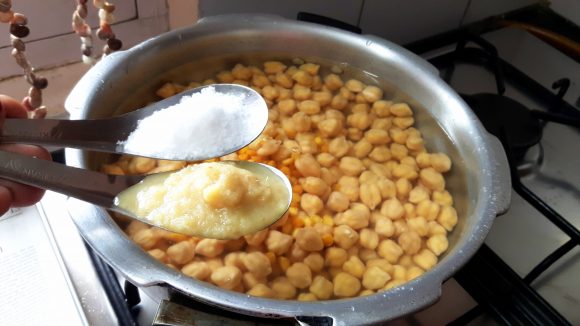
(393,209)
(309,107)
(440,162)
(299,275)
(323,98)
(410,242)
(209,248)
(261,290)
(413,272)
(372,93)
(428,209)
(337,201)
(375,278)
(158,254)
(227,277)
(345,236)
(283,288)
(326,159)
(418,194)
(339,147)
(269,147)
(330,127)
(354,86)
(447,217)
(442,198)
(181,253)
(425,259)
(436,228)
(287,106)
(401,110)
(385,227)
(351,166)
(438,244)
(333,82)
(369,239)
(301,93)
(338,102)
(145,238)
(321,287)
(387,188)
(359,120)
(311,204)
(377,136)
(381,108)
(257,263)
(419,225)
(197,269)
(370,195)
(399,151)
(354,218)
(390,250)
(354,266)
(303,78)
(278,242)
(315,261)
(308,239)
(273,67)
(335,257)
(403,187)
(403,122)
(346,285)
(307,165)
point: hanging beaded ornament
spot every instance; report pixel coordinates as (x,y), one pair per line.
(18,31)
(105,32)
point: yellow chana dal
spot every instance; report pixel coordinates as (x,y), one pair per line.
(369,212)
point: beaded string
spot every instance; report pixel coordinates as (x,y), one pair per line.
(18,31)
(105,32)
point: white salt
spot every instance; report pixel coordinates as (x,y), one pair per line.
(203,122)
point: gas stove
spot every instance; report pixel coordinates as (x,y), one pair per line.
(527,93)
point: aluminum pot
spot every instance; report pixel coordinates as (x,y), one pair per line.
(479,180)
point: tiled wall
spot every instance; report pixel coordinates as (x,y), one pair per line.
(401,21)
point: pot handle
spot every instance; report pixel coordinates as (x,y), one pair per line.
(501,177)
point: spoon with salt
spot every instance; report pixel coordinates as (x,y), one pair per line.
(197,124)
(115,192)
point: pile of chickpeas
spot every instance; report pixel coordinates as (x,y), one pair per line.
(369,211)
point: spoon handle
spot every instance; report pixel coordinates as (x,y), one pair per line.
(94,187)
(99,134)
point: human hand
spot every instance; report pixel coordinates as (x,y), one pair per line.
(13,194)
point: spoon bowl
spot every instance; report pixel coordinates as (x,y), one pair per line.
(102,189)
(207,140)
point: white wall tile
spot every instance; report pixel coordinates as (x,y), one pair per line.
(567,8)
(404,21)
(481,9)
(343,10)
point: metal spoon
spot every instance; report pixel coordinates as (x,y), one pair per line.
(102,189)
(105,135)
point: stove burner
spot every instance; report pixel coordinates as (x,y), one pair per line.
(498,112)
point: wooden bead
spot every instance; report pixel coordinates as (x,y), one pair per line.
(105,32)
(19,31)
(35,97)
(109,7)
(5,5)
(6,17)
(20,58)
(40,82)
(19,19)
(114,44)
(82,11)
(18,44)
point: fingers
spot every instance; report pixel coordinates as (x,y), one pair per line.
(11,108)
(16,194)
